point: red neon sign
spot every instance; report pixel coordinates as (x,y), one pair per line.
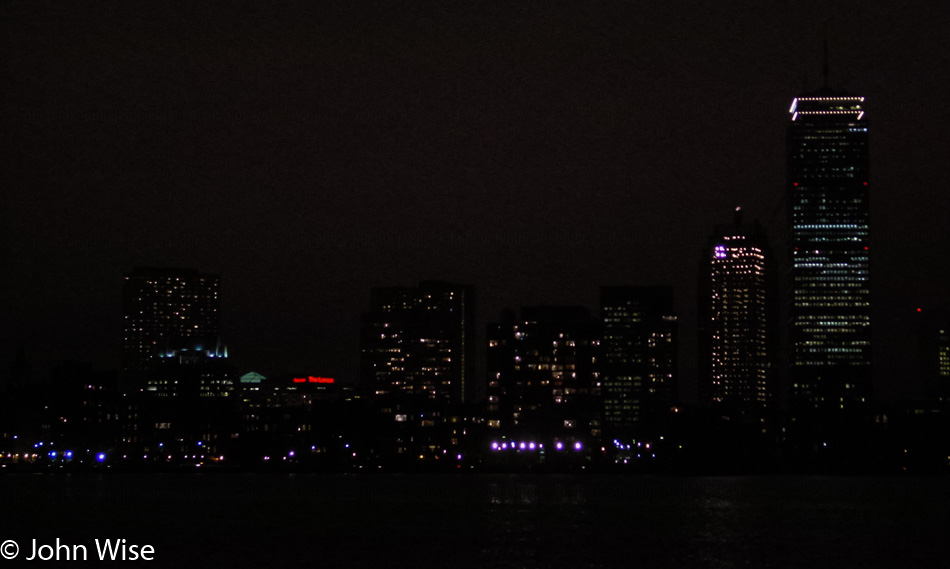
(313,379)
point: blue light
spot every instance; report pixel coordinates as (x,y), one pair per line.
(101,457)
(69,454)
(52,454)
(200,443)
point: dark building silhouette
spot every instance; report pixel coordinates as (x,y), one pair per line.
(828,240)
(735,323)
(80,405)
(544,378)
(933,355)
(640,347)
(166,310)
(418,342)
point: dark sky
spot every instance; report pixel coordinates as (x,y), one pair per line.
(310,151)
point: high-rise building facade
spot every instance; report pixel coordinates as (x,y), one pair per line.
(544,374)
(829,230)
(734,317)
(166,310)
(933,354)
(639,354)
(419,342)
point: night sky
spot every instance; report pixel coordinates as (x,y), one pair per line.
(310,151)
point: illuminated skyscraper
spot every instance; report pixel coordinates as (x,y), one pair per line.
(419,341)
(639,353)
(734,316)
(828,220)
(166,311)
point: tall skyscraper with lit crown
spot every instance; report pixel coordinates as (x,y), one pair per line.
(735,320)
(828,240)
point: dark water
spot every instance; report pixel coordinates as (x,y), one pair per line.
(486,521)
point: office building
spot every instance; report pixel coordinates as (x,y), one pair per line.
(544,375)
(640,349)
(734,319)
(167,311)
(829,231)
(418,342)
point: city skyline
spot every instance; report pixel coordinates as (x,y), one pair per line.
(548,161)
(428,284)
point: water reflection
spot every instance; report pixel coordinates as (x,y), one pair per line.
(552,491)
(493,521)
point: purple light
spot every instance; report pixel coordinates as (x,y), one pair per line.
(559,445)
(521,446)
(720,251)
(577,446)
(494,446)
(531,446)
